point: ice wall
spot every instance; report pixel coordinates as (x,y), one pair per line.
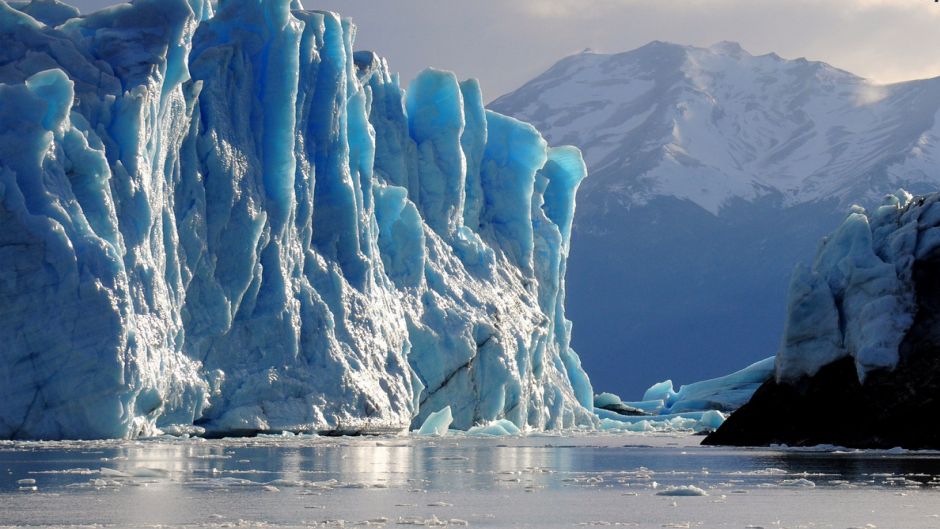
(858,299)
(223,220)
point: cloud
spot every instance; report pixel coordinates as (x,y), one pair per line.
(507,42)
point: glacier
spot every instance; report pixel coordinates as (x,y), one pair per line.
(220,219)
(861,337)
(858,300)
(724,394)
(701,406)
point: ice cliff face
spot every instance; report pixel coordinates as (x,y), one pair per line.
(862,337)
(859,298)
(223,219)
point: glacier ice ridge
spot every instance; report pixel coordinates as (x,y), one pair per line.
(220,219)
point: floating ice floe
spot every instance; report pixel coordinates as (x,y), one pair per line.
(437,423)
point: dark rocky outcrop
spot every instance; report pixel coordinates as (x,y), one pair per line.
(891,408)
(623,409)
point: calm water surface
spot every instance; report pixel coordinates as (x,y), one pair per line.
(535,481)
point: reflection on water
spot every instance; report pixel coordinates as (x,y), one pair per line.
(863,467)
(293,480)
(438,463)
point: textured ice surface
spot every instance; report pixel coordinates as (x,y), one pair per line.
(222,220)
(606,399)
(498,428)
(699,406)
(660,391)
(693,421)
(858,300)
(726,393)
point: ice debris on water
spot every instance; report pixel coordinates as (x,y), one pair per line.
(495,429)
(683,490)
(437,423)
(701,406)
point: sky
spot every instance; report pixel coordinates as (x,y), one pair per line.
(504,43)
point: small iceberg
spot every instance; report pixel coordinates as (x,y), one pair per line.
(437,423)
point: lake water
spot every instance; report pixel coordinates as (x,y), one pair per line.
(536,481)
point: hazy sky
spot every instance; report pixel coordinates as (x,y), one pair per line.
(507,42)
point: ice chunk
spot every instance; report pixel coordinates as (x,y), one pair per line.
(726,393)
(798,483)
(683,490)
(606,399)
(690,421)
(497,428)
(648,406)
(437,423)
(712,419)
(660,391)
(700,406)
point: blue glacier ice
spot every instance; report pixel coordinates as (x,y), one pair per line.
(219,218)
(498,428)
(700,406)
(726,393)
(858,299)
(437,423)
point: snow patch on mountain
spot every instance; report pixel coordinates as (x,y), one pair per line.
(713,172)
(712,124)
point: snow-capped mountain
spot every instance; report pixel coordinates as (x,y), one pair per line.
(713,172)
(220,219)
(710,125)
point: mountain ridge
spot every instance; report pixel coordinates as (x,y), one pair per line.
(713,173)
(776,122)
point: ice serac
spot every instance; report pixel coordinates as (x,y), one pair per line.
(221,219)
(862,336)
(485,317)
(858,299)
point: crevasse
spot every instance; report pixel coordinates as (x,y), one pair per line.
(221,220)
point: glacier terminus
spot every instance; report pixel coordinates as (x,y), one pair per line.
(219,219)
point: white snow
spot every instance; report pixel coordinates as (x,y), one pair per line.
(713,124)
